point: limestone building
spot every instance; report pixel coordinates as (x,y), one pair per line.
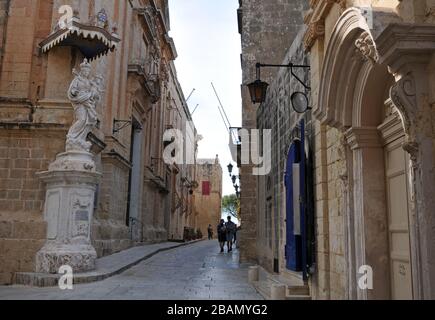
(208,195)
(369,137)
(139,197)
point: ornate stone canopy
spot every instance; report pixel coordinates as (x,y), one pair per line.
(92,41)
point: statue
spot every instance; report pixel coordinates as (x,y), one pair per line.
(84,95)
(74,173)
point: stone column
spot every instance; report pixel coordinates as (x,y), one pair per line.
(370,211)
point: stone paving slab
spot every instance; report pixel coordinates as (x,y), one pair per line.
(106,267)
(194,272)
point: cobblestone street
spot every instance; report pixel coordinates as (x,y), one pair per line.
(197,271)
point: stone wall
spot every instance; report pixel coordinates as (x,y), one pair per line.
(24,151)
(278,115)
(4,7)
(110,232)
(330,168)
(267,32)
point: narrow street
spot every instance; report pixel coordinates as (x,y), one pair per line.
(193,272)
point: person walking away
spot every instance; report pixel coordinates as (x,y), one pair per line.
(231,230)
(210,232)
(222,234)
(237,231)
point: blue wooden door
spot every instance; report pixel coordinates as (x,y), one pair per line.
(296,247)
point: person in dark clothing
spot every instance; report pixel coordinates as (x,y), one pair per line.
(222,234)
(231,230)
(210,232)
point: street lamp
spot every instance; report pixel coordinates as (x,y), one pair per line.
(230,169)
(234,178)
(258,88)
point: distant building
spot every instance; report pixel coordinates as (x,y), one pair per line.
(208,196)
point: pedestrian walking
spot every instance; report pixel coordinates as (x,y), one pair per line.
(231,231)
(222,234)
(210,232)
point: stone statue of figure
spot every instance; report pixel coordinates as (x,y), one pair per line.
(84,94)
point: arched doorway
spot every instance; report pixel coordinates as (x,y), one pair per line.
(353,91)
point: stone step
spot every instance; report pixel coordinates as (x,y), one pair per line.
(298,297)
(298,291)
(264,287)
(292,288)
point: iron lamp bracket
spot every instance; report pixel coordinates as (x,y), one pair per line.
(119,125)
(290,66)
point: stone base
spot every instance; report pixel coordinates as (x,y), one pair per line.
(80,258)
(71,183)
(74,161)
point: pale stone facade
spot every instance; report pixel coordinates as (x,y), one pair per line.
(373,145)
(135,198)
(208,196)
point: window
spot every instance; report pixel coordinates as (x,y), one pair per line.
(206,188)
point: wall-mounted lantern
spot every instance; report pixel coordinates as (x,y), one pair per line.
(258,88)
(230,169)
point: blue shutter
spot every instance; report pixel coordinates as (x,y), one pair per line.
(293,241)
(303,188)
(296,246)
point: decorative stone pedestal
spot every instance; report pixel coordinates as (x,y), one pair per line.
(69,205)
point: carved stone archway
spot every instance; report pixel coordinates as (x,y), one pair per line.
(352,93)
(352,88)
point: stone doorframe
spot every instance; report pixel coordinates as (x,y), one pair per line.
(357,62)
(409,52)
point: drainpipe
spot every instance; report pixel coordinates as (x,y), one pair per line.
(5,23)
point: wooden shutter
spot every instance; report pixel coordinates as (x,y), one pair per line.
(206,188)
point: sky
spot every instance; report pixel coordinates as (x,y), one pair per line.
(206,36)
